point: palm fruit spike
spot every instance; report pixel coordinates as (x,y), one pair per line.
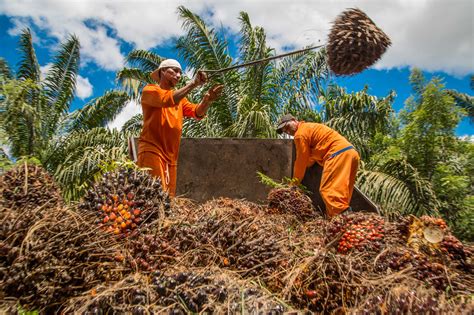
(355,43)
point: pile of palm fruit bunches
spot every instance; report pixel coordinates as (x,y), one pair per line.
(126,247)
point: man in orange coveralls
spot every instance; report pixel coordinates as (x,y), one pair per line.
(325,146)
(163,110)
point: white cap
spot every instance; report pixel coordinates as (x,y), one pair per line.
(167,63)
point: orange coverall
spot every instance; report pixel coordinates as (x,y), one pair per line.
(159,141)
(325,146)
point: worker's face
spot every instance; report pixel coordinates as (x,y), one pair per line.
(171,75)
(291,127)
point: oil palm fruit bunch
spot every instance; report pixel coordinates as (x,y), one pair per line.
(396,259)
(291,200)
(362,236)
(61,255)
(177,292)
(354,43)
(420,241)
(28,194)
(154,249)
(357,232)
(125,198)
(431,221)
(28,186)
(453,248)
(406,300)
(328,275)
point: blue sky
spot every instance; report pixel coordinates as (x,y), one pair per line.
(108,30)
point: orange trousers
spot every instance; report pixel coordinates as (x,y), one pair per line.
(337,182)
(160,168)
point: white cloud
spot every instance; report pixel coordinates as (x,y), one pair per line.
(130,110)
(44,70)
(83,87)
(468,138)
(435,35)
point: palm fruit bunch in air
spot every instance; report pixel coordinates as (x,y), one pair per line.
(355,43)
(357,232)
(125,198)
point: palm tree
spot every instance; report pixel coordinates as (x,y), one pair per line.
(253,97)
(465,100)
(358,116)
(34,114)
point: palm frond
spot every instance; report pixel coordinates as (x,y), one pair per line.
(60,81)
(28,66)
(358,116)
(134,125)
(254,120)
(398,188)
(464,101)
(206,48)
(144,60)
(5,72)
(74,162)
(202,49)
(299,80)
(392,194)
(133,80)
(98,112)
(20,120)
(75,174)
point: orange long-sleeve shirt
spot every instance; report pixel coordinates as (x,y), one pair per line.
(315,143)
(163,122)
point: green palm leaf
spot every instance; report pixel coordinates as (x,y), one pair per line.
(399,189)
(145,60)
(134,80)
(464,101)
(98,112)
(211,52)
(358,116)
(60,82)
(134,125)
(29,67)
(19,119)
(202,49)
(299,79)
(5,72)
(75,161)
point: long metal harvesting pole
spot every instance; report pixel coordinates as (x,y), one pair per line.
(251,63)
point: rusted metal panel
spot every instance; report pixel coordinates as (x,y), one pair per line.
(224,167)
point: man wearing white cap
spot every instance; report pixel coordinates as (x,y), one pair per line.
(163,112)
